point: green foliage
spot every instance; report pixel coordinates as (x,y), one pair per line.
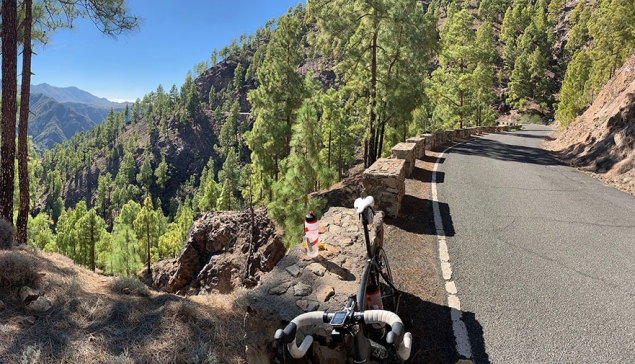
(461,88)
(602,38)
(161,173)
(146,226)
(381,50)
(573,93)
(144,177)
(171,243)
(39,232)
(91,231)
(276,99)
(124,259)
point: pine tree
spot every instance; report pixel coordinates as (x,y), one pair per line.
(146,226)
(519,82)
(275,101)
(228,178)
(92,228)
(102,203)
(302,168)
(144,178)
(161,173)
(382,48)
(458,58)
(125,259)
(573,96)
(39,232)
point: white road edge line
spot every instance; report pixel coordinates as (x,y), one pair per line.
(463,346)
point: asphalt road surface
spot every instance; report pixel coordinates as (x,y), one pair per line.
(543,255)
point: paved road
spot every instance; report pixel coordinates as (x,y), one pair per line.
(543,255)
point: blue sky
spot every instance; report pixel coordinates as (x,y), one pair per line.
(174,37)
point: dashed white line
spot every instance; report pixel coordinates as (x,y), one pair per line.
(463,347)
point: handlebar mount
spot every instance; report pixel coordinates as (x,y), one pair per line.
(402,341)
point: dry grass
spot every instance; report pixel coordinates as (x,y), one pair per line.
(91,323)
(17,269)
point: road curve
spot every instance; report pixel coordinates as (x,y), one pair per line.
(543,256)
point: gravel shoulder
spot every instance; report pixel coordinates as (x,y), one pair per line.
(412,249)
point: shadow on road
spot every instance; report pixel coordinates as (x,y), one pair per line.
(433,337)
(506,152)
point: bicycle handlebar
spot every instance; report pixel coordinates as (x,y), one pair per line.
(396,336)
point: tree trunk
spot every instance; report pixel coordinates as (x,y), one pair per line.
(148,250)
(461,110)
(372,156)
(23,166)
(328,157)
(381,139)
(92,246)
(9,106)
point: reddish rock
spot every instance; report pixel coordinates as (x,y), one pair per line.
(216,256)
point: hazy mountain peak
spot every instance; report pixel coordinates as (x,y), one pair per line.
(70,94)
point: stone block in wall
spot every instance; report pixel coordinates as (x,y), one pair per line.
(406,151)
(440,137)
(449,136)
(420,149)
(471,131)
(385,181)
(430,141)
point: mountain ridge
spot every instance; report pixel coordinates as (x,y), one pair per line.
(72,94)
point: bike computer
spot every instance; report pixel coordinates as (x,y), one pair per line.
(339,318)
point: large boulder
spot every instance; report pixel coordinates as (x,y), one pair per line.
(224,250)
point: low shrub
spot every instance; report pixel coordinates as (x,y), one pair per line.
(6,234)
(18,270)
(130,285)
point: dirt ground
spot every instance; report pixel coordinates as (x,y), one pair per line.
(412,249)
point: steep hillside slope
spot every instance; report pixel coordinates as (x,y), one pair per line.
(602,139)
(51,122)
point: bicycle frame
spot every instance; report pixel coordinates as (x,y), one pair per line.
(371,265)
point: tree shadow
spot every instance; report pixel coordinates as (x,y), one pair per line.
(506,152)
(433,336)
(417,216)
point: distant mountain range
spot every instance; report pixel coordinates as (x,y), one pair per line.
(58,113)
(71,94)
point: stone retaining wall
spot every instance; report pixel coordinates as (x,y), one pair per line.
(385,181)
(407,152)
(420,149)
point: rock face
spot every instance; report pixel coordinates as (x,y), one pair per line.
(223,251)
(300,284)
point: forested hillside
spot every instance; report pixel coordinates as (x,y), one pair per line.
(290,109)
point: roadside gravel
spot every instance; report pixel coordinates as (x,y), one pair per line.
(412,249)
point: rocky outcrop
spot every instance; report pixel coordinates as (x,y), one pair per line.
(343,193)
(224,250)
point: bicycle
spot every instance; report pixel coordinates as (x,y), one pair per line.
(364,328)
